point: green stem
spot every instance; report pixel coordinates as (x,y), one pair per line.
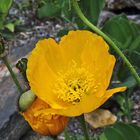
(84,127)
(114,46)
(54,137)
(12,74)
(66,134)
(127,94)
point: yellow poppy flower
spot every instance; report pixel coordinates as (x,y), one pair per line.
(42,122)
(72,76)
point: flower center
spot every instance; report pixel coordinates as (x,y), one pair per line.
(73,85)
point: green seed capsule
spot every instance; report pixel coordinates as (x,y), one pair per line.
(26,99)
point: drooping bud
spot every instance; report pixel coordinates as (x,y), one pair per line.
(42,121)
(26,99)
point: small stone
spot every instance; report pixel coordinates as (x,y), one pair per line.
(100,118)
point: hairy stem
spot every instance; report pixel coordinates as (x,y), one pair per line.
(84,127)
(128,109)
(54,138)
(12,74)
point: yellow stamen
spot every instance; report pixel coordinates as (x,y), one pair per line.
(76,82)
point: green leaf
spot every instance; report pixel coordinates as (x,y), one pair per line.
(92,9)
(137,129)
(4,8)
(121,131)
(127,34)
(7,34)
(1,24)
(129,82)
(135,58)
(49,10)
(66,11)
(121,101)
(66,134)
(95,8)
(10,27)
(135,44)
(5,5)
(102,137)
(113,134)
(127,129)
(122,30)
(63,32)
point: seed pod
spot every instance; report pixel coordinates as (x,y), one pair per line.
(26,99)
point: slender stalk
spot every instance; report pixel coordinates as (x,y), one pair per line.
(127,104)
(66,134)
(84,127)
(12,74)
(54,138)
(114,46)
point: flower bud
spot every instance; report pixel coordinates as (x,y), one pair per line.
(39,116)
(22,65)
(26,99)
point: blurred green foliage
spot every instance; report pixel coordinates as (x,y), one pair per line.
(7,26)
(63,9)
(126,34)
(4,9)
(121,131)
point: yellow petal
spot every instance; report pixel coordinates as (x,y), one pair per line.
(41,67)
(88,104)
(91,51)
(96,58)
(73,44)
(110,92)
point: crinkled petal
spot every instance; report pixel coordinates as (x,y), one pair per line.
(110,92)
(42,65)
(88,104)
(96,58)
(43,122)
(73,44)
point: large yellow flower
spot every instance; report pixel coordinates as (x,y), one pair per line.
(73,75)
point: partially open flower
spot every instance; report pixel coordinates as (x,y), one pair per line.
(43,122)
(73,75)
